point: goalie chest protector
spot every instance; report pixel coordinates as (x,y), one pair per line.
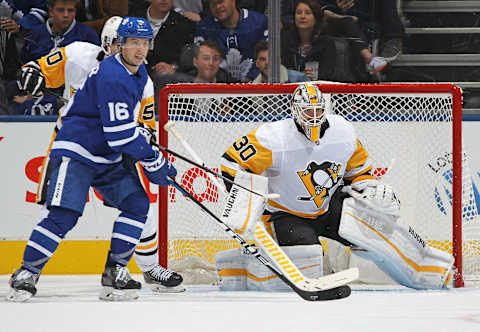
(304,174)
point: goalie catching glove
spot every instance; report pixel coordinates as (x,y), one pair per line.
(30,79)
(376,195)
(157,169)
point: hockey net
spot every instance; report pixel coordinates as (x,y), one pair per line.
(412,133)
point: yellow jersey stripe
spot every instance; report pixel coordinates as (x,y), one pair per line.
(149,246)
(359,157)
(257,162)
(363,177)
(299,214)
(43,170)
(147,113)
(53,68)
(232,172)
(360,172)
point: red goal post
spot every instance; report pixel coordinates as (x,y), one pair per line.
(431,111)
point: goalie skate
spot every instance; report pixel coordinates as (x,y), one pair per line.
(118,285)
(22,283)
(163,280)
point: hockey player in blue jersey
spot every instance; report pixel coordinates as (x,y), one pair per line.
(99,125)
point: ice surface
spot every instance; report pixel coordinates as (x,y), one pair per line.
(70,303)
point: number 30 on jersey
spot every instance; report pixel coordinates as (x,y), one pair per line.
(245,149)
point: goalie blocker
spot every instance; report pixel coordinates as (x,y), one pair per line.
(364,216)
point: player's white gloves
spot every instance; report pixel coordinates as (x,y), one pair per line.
(31,79)
(158,168)
(375,195)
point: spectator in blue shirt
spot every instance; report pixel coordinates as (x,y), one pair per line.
(60,30)
(237,31)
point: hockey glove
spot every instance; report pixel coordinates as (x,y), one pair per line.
(158,168)
(31,79)
(375,194)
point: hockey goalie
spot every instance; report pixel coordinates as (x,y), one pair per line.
(323,175)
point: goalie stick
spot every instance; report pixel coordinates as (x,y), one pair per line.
(53,94)
(208,170)
(330,287)
(170,126)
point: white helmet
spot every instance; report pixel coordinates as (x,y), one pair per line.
(309,106)
(109,32)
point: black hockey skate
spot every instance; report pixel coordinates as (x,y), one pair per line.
(22,284)
(117,284)
(163,280)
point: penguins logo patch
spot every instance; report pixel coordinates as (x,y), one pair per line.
(319,179)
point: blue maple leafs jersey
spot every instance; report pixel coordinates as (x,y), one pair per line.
(251,28)
(101,121)
(27,13)
(42,40)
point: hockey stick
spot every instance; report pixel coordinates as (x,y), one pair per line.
(208,170)
(331,287)
(170,126)
(53,94)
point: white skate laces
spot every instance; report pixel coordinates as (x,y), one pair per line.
(122,274)
(160,273)
(163,280)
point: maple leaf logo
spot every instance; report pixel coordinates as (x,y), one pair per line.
(234,64)
(6,10)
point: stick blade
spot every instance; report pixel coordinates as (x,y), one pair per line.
(332,280)
(330,287)
(325,295)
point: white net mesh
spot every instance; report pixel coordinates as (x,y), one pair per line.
(408,136)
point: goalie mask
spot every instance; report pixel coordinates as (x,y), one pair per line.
(309,106)
(109,33)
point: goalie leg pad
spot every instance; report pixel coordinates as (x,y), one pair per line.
(395,248)
(238,271)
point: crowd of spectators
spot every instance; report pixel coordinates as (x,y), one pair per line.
(208,41)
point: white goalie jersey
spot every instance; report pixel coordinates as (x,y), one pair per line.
(305,174)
